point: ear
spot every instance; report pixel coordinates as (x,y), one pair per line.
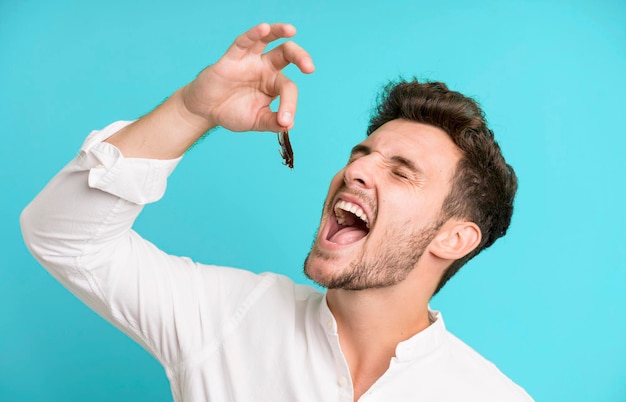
(455,240)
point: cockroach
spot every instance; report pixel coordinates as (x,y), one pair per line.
(285,148)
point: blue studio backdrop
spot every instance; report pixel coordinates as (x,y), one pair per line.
(545,304)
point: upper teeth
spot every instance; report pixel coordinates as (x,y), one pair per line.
(342,205)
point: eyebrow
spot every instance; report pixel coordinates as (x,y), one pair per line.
(360,149)
(400,160)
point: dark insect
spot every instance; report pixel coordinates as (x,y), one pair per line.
(285,148)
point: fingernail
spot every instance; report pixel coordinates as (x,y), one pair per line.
(286,117)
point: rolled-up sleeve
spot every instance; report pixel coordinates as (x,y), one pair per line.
(80,229)
(139,181)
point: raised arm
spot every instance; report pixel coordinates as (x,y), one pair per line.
(80,226)
(234,93)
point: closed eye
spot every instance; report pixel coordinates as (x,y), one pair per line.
(405,169)
(400,174)
(399,166)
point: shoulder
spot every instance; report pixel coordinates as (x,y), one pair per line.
(478,376)
(285,288)
(240,283)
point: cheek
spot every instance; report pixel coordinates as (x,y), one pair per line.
(404,209)
(335,184)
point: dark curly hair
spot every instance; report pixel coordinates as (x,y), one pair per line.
(484,185)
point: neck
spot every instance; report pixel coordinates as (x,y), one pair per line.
(371,323)
(377,316)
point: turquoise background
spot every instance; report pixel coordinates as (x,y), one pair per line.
(546,304)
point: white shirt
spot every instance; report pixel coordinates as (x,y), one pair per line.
(222,334)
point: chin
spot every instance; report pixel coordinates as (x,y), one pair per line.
(322,267)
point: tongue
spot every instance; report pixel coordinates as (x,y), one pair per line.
(348,235)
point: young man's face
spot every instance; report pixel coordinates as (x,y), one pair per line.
(383,209)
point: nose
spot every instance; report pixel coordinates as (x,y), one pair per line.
(360,172)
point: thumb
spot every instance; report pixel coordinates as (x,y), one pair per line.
(270,121)
(288,92)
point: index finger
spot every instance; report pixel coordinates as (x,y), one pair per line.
(291,53)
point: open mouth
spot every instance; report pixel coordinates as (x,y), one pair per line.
(349,223)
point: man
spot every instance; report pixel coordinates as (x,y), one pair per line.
(410,207)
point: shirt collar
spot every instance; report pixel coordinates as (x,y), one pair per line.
(327,319)
(424,342)
(417,346)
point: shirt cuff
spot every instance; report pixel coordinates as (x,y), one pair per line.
(137,180)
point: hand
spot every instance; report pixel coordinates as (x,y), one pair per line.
(236,92)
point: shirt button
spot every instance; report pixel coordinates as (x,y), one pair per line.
(342,381)
(329,324)
(99,166)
